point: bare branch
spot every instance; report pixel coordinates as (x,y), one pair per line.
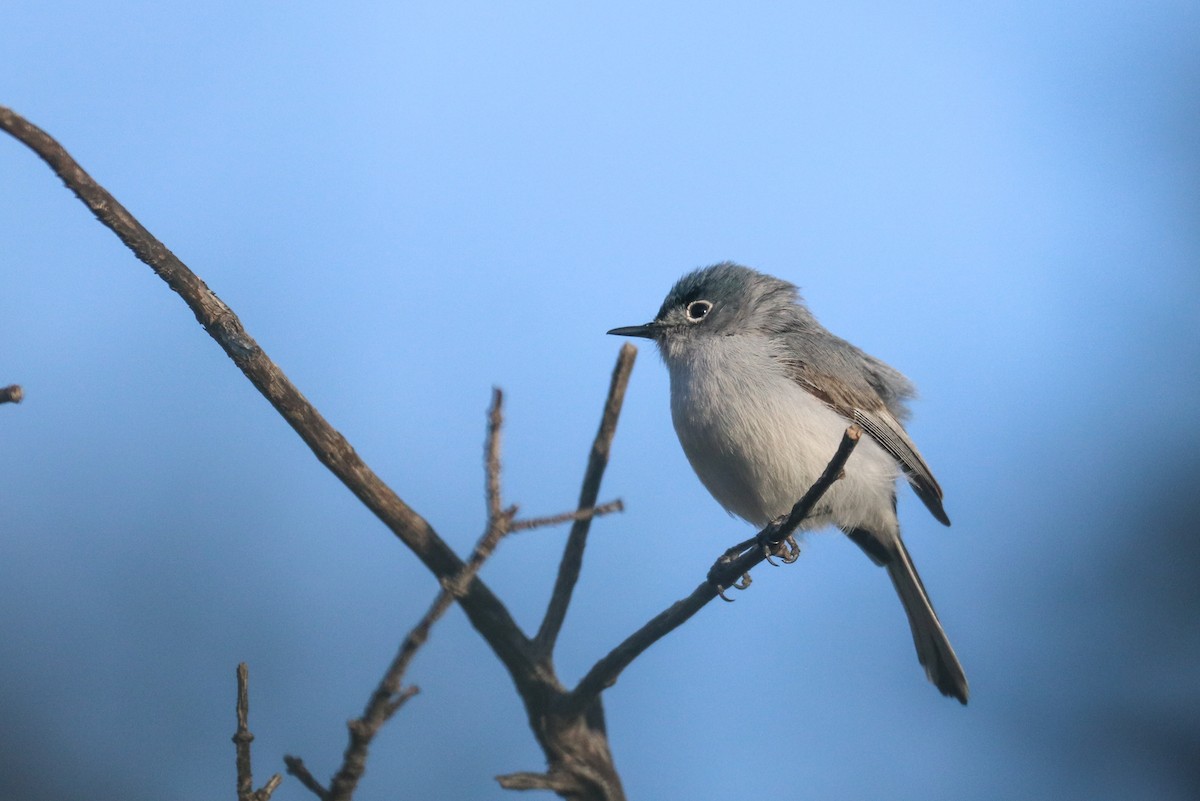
(572,558)
(11,394)
(267,790)
(722,574)
(777,532)
(560,783)
(297,768)
(486,613)
(491,457)
(388,696)
(402,698)
(242,739)
(567,517)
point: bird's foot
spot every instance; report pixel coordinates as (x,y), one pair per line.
(787,549)
(719,572)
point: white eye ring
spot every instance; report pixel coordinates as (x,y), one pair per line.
(697,310)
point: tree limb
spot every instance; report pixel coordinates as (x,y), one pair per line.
(242,739)
(572,558)
(555,782)
(297,768)
(568,517)
(388,697)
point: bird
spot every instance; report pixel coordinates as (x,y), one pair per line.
(761,394)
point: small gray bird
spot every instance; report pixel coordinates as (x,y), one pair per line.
(761,394)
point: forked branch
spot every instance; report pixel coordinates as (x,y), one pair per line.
(242,739)
(389,696)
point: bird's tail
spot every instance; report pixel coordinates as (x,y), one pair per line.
(933,648)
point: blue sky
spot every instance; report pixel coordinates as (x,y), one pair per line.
(410,203)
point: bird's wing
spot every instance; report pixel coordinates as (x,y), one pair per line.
(888,432)
(863,402)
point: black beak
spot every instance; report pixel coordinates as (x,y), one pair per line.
(647,331)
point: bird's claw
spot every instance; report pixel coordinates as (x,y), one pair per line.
(787,549)
(740,584)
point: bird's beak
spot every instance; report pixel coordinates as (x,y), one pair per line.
(647,331)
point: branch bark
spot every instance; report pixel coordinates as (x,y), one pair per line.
(389,697)
(242,739)
(572,558)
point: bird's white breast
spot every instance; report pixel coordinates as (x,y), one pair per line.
(758,441)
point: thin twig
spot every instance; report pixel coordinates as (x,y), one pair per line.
(567,517)
(486,613)
(297,768)
(242,739)
(11,394)
(560,783)
(265,792)
(722,574)
(572,558)
(776,533)
(491,458)
(388,697)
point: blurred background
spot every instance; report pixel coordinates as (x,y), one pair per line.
(410,203)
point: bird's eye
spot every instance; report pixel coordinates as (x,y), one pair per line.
(697,310)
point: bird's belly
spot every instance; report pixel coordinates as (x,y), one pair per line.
(758,447)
